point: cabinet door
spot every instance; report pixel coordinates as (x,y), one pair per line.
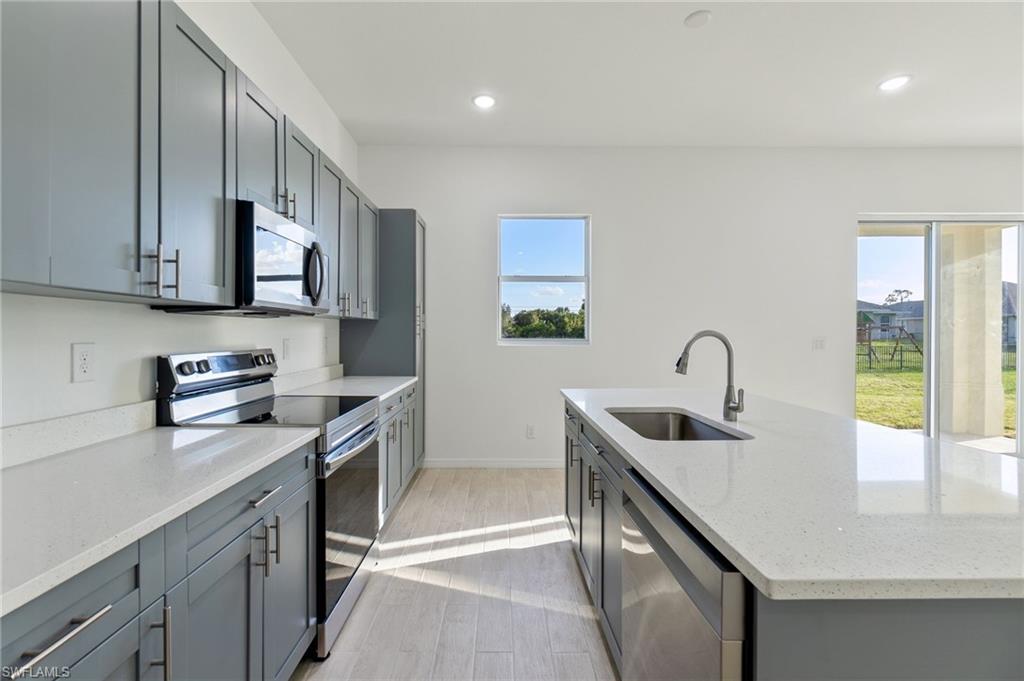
(384,498)
(611,558)
(394,441)
(408,440)
(217,619)
(368,260)
(79,144)
(197,160)
(590,523)
(332,184)
(348,253)
(289,591)
(301,171)
(573,482)
(421,310)
(260,147)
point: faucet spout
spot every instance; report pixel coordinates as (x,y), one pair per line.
(732,406)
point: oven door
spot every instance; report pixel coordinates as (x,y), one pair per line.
(283,267)
(347,505)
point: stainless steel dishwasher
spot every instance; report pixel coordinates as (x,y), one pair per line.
(683,603)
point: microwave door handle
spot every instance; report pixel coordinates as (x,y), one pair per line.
(317,293)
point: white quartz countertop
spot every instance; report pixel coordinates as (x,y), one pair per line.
(818,506)
(66,512)
(381,386)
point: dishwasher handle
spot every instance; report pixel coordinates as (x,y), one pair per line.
(711,582)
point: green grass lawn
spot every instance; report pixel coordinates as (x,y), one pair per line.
(896,398)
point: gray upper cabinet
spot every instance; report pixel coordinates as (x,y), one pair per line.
(348,253)
(261,138)
(301,174)
(80,144)
(197,161)
(332,184)
(289,592)
(217,622)
(368,301)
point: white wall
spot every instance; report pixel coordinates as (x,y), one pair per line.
(37,332)
(759,243)
(240,30)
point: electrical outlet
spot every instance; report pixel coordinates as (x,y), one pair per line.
(818,343)
(83,367)
(286,348)
(530,434)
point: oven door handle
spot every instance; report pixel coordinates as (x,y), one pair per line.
(331,463)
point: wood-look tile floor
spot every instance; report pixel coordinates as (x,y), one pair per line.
(476,580)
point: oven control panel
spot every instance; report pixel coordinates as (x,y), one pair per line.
(190,372)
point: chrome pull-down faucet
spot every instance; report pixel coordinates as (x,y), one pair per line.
(732,405)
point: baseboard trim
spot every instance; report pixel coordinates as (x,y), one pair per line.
(434,462)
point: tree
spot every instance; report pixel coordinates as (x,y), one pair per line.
(898,295)
(560,322)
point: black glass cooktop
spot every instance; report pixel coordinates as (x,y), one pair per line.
(287,410)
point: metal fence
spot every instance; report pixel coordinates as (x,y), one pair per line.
(906,358)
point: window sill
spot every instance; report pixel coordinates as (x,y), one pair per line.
(543,342)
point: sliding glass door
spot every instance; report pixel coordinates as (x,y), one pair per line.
(937,333)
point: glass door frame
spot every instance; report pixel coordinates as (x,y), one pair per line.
(932,225)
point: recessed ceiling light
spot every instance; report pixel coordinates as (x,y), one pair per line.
(893,84)
(483,102)
(697,19)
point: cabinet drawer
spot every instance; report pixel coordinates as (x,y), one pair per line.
(572,422)
(390,407)
(195,537)
(73,618)
(601,447)
(410,393)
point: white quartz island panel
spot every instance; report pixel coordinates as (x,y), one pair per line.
(66,512)
(819,506)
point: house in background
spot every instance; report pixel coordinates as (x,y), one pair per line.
(884,322)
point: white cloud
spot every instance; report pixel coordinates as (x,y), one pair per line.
(548,291)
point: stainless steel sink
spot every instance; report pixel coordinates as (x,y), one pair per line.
(671,425)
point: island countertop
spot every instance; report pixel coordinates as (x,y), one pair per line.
(820,506)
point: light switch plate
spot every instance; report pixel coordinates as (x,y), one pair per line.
(83,365)
(286,348)
(818,343)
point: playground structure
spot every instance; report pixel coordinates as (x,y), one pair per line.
(892,351)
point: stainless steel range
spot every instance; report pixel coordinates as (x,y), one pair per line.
(219,389)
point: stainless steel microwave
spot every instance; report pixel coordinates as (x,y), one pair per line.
(280,267)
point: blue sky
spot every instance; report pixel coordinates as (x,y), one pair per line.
(542,247)
(885,263)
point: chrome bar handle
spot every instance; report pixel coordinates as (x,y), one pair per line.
(594,492)
(294,202)
(160,262)
(166,626)
(177,273)
(39,655)
(265,539)
(267,493)
(277,538)
(573,445)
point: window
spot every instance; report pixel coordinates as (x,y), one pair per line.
(543,279)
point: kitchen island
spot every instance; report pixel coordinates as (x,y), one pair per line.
(869,552)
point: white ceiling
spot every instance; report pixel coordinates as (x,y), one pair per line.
(617,74)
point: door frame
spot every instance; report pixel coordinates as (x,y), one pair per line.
(932,223)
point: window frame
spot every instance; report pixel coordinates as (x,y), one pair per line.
(545,278)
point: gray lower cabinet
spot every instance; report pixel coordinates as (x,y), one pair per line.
(393,439)
(289,622)
(332,184)
(301,176)
(590,523)
(408,442)
(136,652)
(573,485)
(611,559)
(197,162)
(217,613)
(79,150)
(260,147)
